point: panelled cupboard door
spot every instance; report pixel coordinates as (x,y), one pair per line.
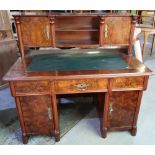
(122,106)
(37,114)
(116,30)
(36,31)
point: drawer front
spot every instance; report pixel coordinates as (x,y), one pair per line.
(129,82)
(82,85)
(32,87)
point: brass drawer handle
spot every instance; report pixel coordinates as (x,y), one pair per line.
(47,32)
(106,31)
(82,86)
(49,113)
(111,108)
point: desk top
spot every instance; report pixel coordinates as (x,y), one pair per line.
(67,64)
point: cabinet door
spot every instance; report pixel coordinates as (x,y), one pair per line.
(37,114)
(36,31)
(122,106)
(116,30)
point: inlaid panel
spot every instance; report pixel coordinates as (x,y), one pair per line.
(32,87)
(37,114)
(128,82)
(122,106)
(117,30)
(81,85)
(36,31)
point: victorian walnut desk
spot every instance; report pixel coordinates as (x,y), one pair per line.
(39,76)
(118,80)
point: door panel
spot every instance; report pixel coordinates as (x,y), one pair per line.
(122,106)
(36,31)
(37,114)
(117,30)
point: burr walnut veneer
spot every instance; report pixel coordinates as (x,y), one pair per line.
(119,90)
(114,76)
(75,30)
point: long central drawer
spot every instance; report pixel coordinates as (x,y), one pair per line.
(81,85)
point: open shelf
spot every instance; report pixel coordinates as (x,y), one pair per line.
(77,24)
(77,29)
(82,32)
(77,43)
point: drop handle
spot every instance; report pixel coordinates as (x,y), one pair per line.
(111,108)
(82,86)
(47,32)
(49,113)
(106,31)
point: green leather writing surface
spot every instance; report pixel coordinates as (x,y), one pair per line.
(92,60)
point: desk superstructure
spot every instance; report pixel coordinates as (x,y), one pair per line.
(75,30)
(36,79)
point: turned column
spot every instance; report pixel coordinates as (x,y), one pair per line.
(133,25)
(52,26)
(20,42)
(102,20)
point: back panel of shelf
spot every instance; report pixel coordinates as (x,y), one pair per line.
(76,32)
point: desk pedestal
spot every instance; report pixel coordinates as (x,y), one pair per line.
(119,111)
(118,103)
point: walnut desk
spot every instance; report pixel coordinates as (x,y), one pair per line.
(118,80)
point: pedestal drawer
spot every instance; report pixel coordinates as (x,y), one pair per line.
(81,85)
(128,82)
(32,87)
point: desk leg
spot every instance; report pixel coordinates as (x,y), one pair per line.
(145,41)
(55,118)
(100,109)
(134,125)
(104,116)
(100,104)
(134,131)
(152,44)
(25,139)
